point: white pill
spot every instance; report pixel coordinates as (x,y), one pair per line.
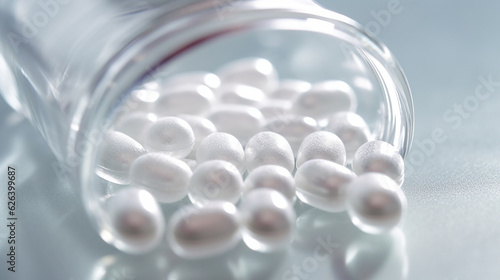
(142,99)
(215,180)
(351,129)
(268,220)
(197,77)
(271,177)
(165,177)
(135,125)
(241,121)
(222,146)
(325,99)
(255,72)
(273,108)
(117,151)
(151,85)
(196,233)
(240,94)
(201,128)
(170,135)
(268,148)
(137,222)
(375,203)
(321,145)
(190,99)
(293,128)
(323,184)
(289,89)
(381,157)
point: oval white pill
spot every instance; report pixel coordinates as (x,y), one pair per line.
(222,146)
(165,177)
(268,148)
(136,219)
(271,177)
(142,99)
(321,145)
(197,77)
(215,180)
(293,128)
(255,72)
(268,220)
(289,89)
(202,127)
(204,232)
(170,135)
(351,129)
(323,184)
(381,157)
(325,99)
(240,94)
(135,125)
(117,151)
(190,99)
(273,108)
(238,120)
(375,203)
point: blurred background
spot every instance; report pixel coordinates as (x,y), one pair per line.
(450,52)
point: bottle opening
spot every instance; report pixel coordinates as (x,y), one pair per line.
(245,72)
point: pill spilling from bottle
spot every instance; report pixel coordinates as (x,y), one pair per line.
(244,146)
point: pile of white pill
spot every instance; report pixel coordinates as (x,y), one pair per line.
(242,145)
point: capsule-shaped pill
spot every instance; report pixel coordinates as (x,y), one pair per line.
(268,220)
(135,125)
(321,145)
(375,203)
(381,157)
(268,148)
(215,180)
(273,108)
(201,127)
(351,129)
(240,94)
(141,99)
(170,135)
(255,72)
(117,151)
(190,99)
(271,177)
(222,146)
(323,184)
(196,233)
(325,99)
(136,220)
(165,177)
(238,120)
(293,128)
(197,77)
(290,89)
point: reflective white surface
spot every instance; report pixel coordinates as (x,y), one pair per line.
(451,232)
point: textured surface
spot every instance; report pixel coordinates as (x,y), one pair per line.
(452,229)
(268,148)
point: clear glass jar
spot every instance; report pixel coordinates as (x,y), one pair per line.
(70,65)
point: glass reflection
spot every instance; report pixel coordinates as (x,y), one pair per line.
(332,240)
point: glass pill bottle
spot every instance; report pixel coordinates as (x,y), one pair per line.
(74,68)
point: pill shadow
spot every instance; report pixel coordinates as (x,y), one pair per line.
(238,263)
(352,254)
(121,266)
